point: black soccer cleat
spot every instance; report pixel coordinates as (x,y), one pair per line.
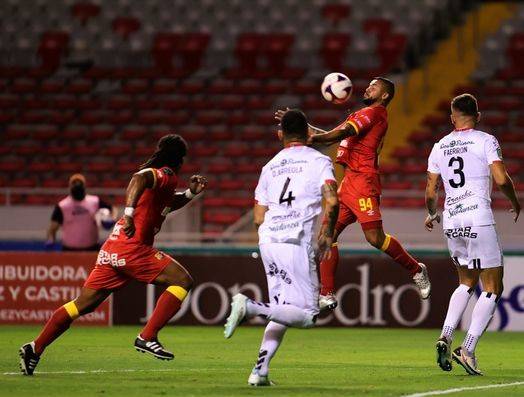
(28,358)
(444,354)
(153,347)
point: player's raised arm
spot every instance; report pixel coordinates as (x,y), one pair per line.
(431,196)
(335,135)
(197,184)
(325,238)
(140,181)
(505,184)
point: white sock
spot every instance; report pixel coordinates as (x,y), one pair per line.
(273,336)
(482,314)
(289,315)
(457,304)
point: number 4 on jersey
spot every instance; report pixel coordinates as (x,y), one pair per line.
(289,197)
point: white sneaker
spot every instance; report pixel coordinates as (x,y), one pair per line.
(326,302)
(469,363)
(421,280)
(238,313)
(255,379)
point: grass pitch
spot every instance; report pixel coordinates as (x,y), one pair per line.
(89,361)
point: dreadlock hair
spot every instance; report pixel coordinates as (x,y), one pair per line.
(170,152)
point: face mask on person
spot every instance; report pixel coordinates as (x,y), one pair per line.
(78,191)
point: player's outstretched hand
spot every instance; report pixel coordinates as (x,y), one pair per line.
(279,114)
(197,183)
(129,226)
(428,223)
(516,211)
(324,246)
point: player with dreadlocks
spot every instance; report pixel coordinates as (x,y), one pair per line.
(128,254)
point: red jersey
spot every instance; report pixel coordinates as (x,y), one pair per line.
(359,153)
(151,210)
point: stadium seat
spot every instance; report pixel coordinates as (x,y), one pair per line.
(84,11)
(125,26)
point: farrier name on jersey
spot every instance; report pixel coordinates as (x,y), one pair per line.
(290,186)
(462,158)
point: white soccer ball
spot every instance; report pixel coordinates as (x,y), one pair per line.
(104,218)
(336,88)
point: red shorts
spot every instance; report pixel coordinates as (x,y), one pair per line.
(119,262)
(359,197)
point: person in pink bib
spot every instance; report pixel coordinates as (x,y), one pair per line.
(76,214)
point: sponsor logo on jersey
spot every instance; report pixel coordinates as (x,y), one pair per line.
(456,199)
(460,209)
(284,226)
(460,232)
(455,143)
(281,218)
(285,162)
(167,171)
(159,255)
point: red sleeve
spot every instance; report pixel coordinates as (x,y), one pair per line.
(362,120)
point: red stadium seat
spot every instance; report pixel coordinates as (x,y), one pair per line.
(333,50)
(53,46)
(125,26)
(335,13)
(379,26)
(84,11)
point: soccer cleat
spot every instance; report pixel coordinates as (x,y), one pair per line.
(153,347)
(421,280)
(444,354)
(327,302)
(469,363)
(28,358)
(237,315)
(255,379)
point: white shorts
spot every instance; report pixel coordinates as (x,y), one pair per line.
(291,273)
(476,247)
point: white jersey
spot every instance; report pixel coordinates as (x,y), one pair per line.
(290,186)
(462,158)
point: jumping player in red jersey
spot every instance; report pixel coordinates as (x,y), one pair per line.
(128,254)
(361,137)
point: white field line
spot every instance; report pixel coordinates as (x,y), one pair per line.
(459,389)
(95,371)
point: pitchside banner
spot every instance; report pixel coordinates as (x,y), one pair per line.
(373,292)
(33,285)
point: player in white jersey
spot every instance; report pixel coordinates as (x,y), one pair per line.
(288,202)
(466,160)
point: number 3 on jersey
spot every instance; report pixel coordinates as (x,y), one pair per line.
(289,199)
(458,171)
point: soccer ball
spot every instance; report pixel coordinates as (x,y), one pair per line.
(336,88)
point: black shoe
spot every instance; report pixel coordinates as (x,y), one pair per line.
(153,347)
(444,354)
(28,358)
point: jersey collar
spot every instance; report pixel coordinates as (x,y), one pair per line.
(294,144)
(462,129)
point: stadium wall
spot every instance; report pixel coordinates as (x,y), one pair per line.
(372,290)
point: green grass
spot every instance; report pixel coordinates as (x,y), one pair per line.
(317,362)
